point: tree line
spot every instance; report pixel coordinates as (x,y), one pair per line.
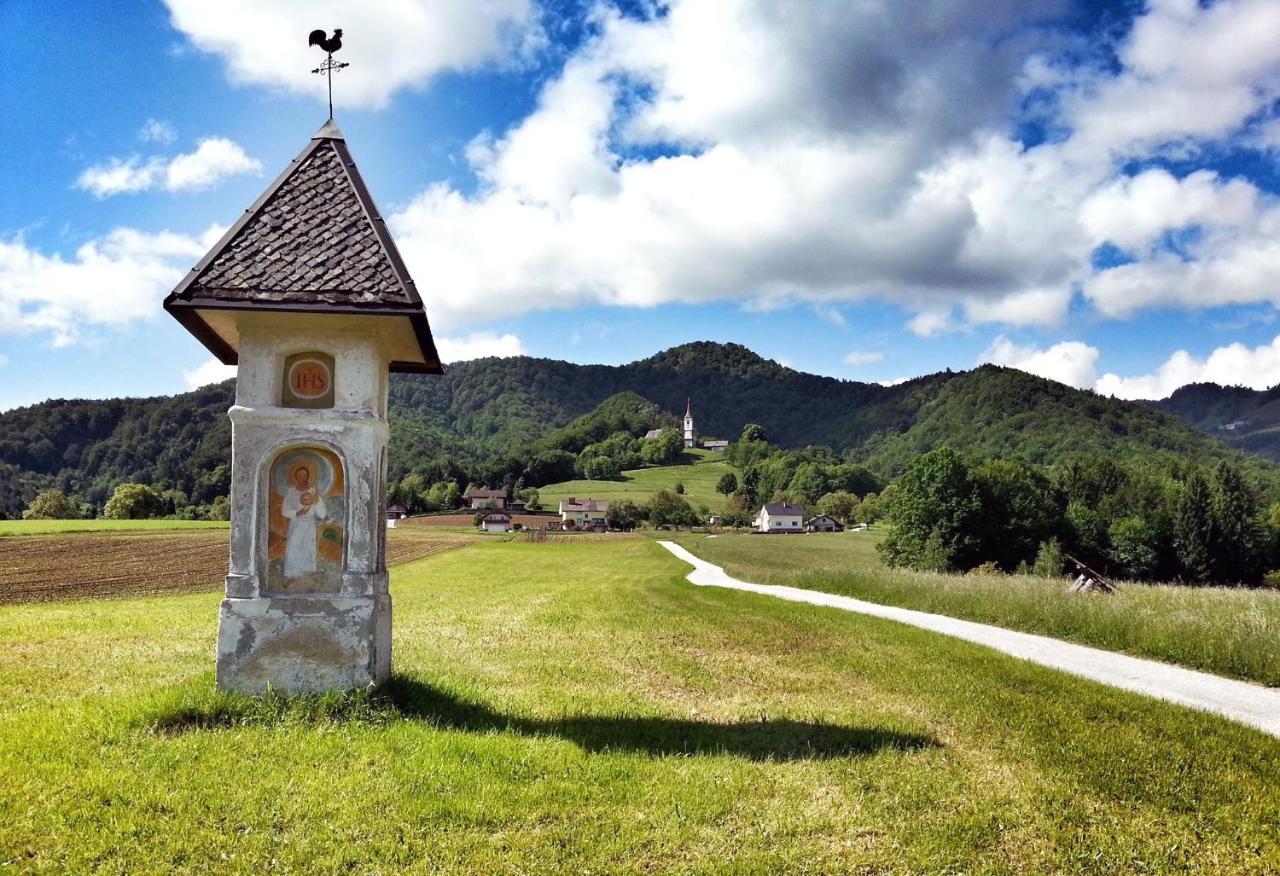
(1177,523)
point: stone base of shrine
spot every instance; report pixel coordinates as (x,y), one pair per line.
(304,644)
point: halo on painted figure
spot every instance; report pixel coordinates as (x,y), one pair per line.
(289,462)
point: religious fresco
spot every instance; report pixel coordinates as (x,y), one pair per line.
(306,513)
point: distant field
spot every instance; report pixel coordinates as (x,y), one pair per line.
(467,521)
(58,567)
(699,478)
(1229,631)
(579,707)
(43,527)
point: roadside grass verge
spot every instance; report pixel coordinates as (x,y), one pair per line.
(48,527)
(1226,630)
(579,707)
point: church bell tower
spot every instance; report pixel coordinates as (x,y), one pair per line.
(689,438)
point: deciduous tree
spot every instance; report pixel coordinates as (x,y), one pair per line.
(133,502)
(52,505)
(936,515)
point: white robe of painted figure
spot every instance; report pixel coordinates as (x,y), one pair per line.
(300,543)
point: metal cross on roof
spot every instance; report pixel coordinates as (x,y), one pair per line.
(329,45)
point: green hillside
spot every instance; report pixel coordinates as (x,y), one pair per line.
(511,421)
(699,475)
(1246,419)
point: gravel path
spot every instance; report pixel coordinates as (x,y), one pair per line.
(1241,701)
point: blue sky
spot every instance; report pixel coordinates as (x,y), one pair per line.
(1084,190)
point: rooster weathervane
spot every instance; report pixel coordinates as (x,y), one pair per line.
(329,45)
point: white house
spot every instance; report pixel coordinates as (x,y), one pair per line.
(780,517)
(823,523)
(583,513)
(498,521)
(487,499)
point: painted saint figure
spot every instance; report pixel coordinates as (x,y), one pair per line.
(303,507)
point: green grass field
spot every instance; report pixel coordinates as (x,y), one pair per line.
(51,527)
(699,477)
(579,707)
(1229,631)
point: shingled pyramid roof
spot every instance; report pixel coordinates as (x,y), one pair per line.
(313,242)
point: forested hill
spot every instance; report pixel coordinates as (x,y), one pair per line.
(1248,419)
(483,420)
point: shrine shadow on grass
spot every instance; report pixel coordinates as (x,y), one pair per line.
(406,698)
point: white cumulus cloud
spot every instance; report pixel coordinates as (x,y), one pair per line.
(839,152)
(213,159)
(209,371)
(1232,365)
(110,281)
(1070,362)
(863,357)
(390,46)
(1076,364)
(478,345)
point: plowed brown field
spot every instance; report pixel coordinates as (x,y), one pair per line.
(47,568)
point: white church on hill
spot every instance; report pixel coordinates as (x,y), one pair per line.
(689,434)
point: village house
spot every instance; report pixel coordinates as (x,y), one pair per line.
(652,433)
(397,512)
(823,523)
(497,521)
(780,517)
(583,513)
(486,499)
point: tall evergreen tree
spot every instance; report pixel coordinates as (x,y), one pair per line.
(1194,531)
(1236,551)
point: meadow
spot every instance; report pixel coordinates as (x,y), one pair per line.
(47,527)
(699,474)
(1225,630)
(576,706)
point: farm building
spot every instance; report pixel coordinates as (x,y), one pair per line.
(397,512)
(716,446)
(498,521)
(823,523)
(780,517)
(652,433)
(583,513)
(487,499)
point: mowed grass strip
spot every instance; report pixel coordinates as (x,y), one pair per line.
(96,565)
(579,707)
(47,527)
(1226,630)
(699,478)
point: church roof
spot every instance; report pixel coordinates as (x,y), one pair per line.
(313,242)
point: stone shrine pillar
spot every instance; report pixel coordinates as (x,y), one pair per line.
(308,295)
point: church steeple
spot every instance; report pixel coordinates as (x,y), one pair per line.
(689,439)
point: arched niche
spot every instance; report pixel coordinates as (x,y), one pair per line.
(304,492)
